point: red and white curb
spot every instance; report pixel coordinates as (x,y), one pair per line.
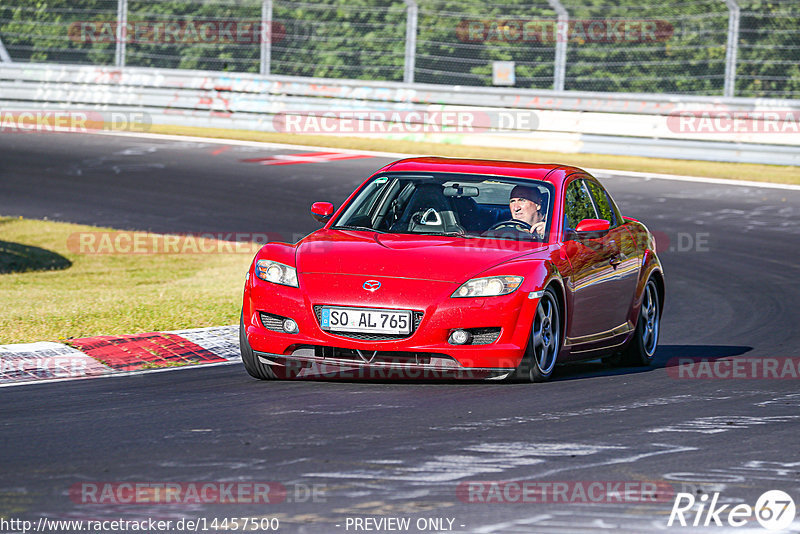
(104,356)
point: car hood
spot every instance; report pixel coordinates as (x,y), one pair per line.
(421,257)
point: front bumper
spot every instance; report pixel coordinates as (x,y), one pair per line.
(303,363)
(425,351)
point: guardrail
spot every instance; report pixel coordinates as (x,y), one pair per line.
(606,123)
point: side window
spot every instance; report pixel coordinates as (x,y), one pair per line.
(577,205)
(362,209)
(602,202)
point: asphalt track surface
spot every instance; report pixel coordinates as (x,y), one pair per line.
(402,449)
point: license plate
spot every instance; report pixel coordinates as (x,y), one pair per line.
(366,320)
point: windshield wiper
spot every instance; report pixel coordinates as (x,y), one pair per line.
(349,227)
(445,234)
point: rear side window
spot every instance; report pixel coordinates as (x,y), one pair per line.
(577,205)
(601,201)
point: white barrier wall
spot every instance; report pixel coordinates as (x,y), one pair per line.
(710,128)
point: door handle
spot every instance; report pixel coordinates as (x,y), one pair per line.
(616,260)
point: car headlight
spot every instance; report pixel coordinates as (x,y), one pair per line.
(277,273)
(490,286)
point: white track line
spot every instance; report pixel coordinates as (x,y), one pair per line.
(263,144)
(117,374)
(679,178)
(396,155)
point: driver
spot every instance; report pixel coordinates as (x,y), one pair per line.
(526,206)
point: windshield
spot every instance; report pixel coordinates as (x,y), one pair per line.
(465,205)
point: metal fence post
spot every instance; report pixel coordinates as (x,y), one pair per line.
(4,57)
(266,36)
(122,32)
(732,48)
(562,35)
(411,41)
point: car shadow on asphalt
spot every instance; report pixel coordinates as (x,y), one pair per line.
(666,356)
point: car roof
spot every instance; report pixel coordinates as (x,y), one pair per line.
(550,172)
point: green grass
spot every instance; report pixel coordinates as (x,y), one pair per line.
(733,171)
(49,292)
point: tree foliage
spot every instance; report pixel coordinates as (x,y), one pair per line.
(457,41)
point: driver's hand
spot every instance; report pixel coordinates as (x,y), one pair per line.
(538,228)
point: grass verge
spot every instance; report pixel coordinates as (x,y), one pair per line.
(119,293)
(732,171)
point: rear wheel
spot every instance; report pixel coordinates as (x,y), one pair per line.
(642,347)
(544,343)
(252,364)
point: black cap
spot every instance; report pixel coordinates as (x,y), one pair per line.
(520,191)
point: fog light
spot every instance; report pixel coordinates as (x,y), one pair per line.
(289,326)
(459,337)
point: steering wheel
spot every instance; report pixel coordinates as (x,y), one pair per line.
(520,226)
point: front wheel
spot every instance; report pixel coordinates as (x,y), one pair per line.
(544,343)
(642,348)
(252,364)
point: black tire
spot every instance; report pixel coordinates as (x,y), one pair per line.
(544,342)
(641,349)
(252,364)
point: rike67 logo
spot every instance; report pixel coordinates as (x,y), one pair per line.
(774,510)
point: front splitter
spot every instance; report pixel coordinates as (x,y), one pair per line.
(310,367)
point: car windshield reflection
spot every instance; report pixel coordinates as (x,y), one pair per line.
(457,205)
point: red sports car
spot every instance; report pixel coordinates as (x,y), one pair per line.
(451,268)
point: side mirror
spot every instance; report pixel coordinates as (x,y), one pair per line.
(589,229)
(593,225)
(322,211)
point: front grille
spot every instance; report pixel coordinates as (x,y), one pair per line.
(416,318)
(377,357)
